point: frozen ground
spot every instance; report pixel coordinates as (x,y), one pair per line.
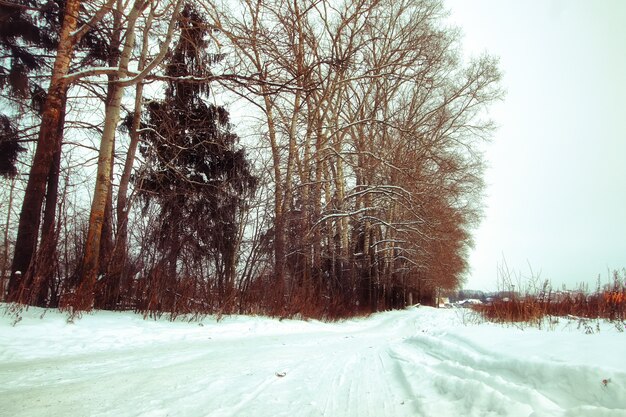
(417,362)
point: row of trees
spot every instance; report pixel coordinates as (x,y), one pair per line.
(355,186)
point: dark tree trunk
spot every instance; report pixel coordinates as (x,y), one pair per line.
(47,144)
(43,269)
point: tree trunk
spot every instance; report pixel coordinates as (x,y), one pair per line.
(90,264)
(43,270)
(5,252)
(106,239)
(48,142)
(119,260)
(85,294)
(279,214)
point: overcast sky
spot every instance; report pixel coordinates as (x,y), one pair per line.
(556,195)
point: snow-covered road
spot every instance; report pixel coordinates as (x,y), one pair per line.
(417,362)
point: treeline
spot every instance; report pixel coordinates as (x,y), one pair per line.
(348,180)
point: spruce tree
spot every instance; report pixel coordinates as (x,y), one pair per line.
(196,175)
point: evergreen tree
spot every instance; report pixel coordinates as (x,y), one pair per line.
(26,30)
(195,173)
(9,147)
(23,25)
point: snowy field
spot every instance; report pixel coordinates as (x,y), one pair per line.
(417,362)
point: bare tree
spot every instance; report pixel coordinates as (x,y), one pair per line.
(374,116)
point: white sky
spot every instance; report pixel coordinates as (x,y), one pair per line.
(556,195)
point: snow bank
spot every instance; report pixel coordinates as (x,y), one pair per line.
(417,362)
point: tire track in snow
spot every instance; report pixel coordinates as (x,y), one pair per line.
(246,399)
(348,383)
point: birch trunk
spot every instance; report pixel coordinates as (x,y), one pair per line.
(123,204)
(106,241)
(85,294)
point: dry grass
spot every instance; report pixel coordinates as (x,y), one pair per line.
(533,307)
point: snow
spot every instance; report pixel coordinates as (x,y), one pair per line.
(415,362)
